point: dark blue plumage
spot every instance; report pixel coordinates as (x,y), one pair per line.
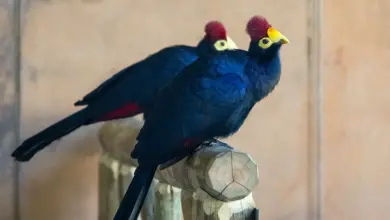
(210,90)
(156,68)
(130,91)
(210,99)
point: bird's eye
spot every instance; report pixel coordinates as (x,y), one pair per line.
(221,45)
(265,43)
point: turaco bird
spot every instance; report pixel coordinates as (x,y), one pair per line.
(211,98)
(132,90)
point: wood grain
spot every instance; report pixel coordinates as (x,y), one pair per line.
(224,173)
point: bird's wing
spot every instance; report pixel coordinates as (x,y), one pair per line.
(168,58)
(104,86)
(196,106)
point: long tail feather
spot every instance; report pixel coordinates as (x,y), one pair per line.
(135,195)
(80,103)
(39,141)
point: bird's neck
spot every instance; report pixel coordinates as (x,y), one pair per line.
(203,48)
(264,75)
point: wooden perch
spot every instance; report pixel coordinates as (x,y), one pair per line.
(200,205)
(217,169)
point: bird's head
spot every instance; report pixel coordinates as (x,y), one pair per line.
(216,39)
(265,39)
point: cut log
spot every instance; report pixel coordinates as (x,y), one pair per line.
(200,205)
(109,197)
(114,179)
(216,168)
(168,202)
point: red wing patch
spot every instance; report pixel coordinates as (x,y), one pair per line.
(125,111)
(192,142)
(187,143)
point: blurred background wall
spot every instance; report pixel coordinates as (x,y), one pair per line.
(321,139)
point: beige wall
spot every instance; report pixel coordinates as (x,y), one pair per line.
(68,47)
(356,110)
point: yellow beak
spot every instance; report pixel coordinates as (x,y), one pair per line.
(231,44)
(276,36)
